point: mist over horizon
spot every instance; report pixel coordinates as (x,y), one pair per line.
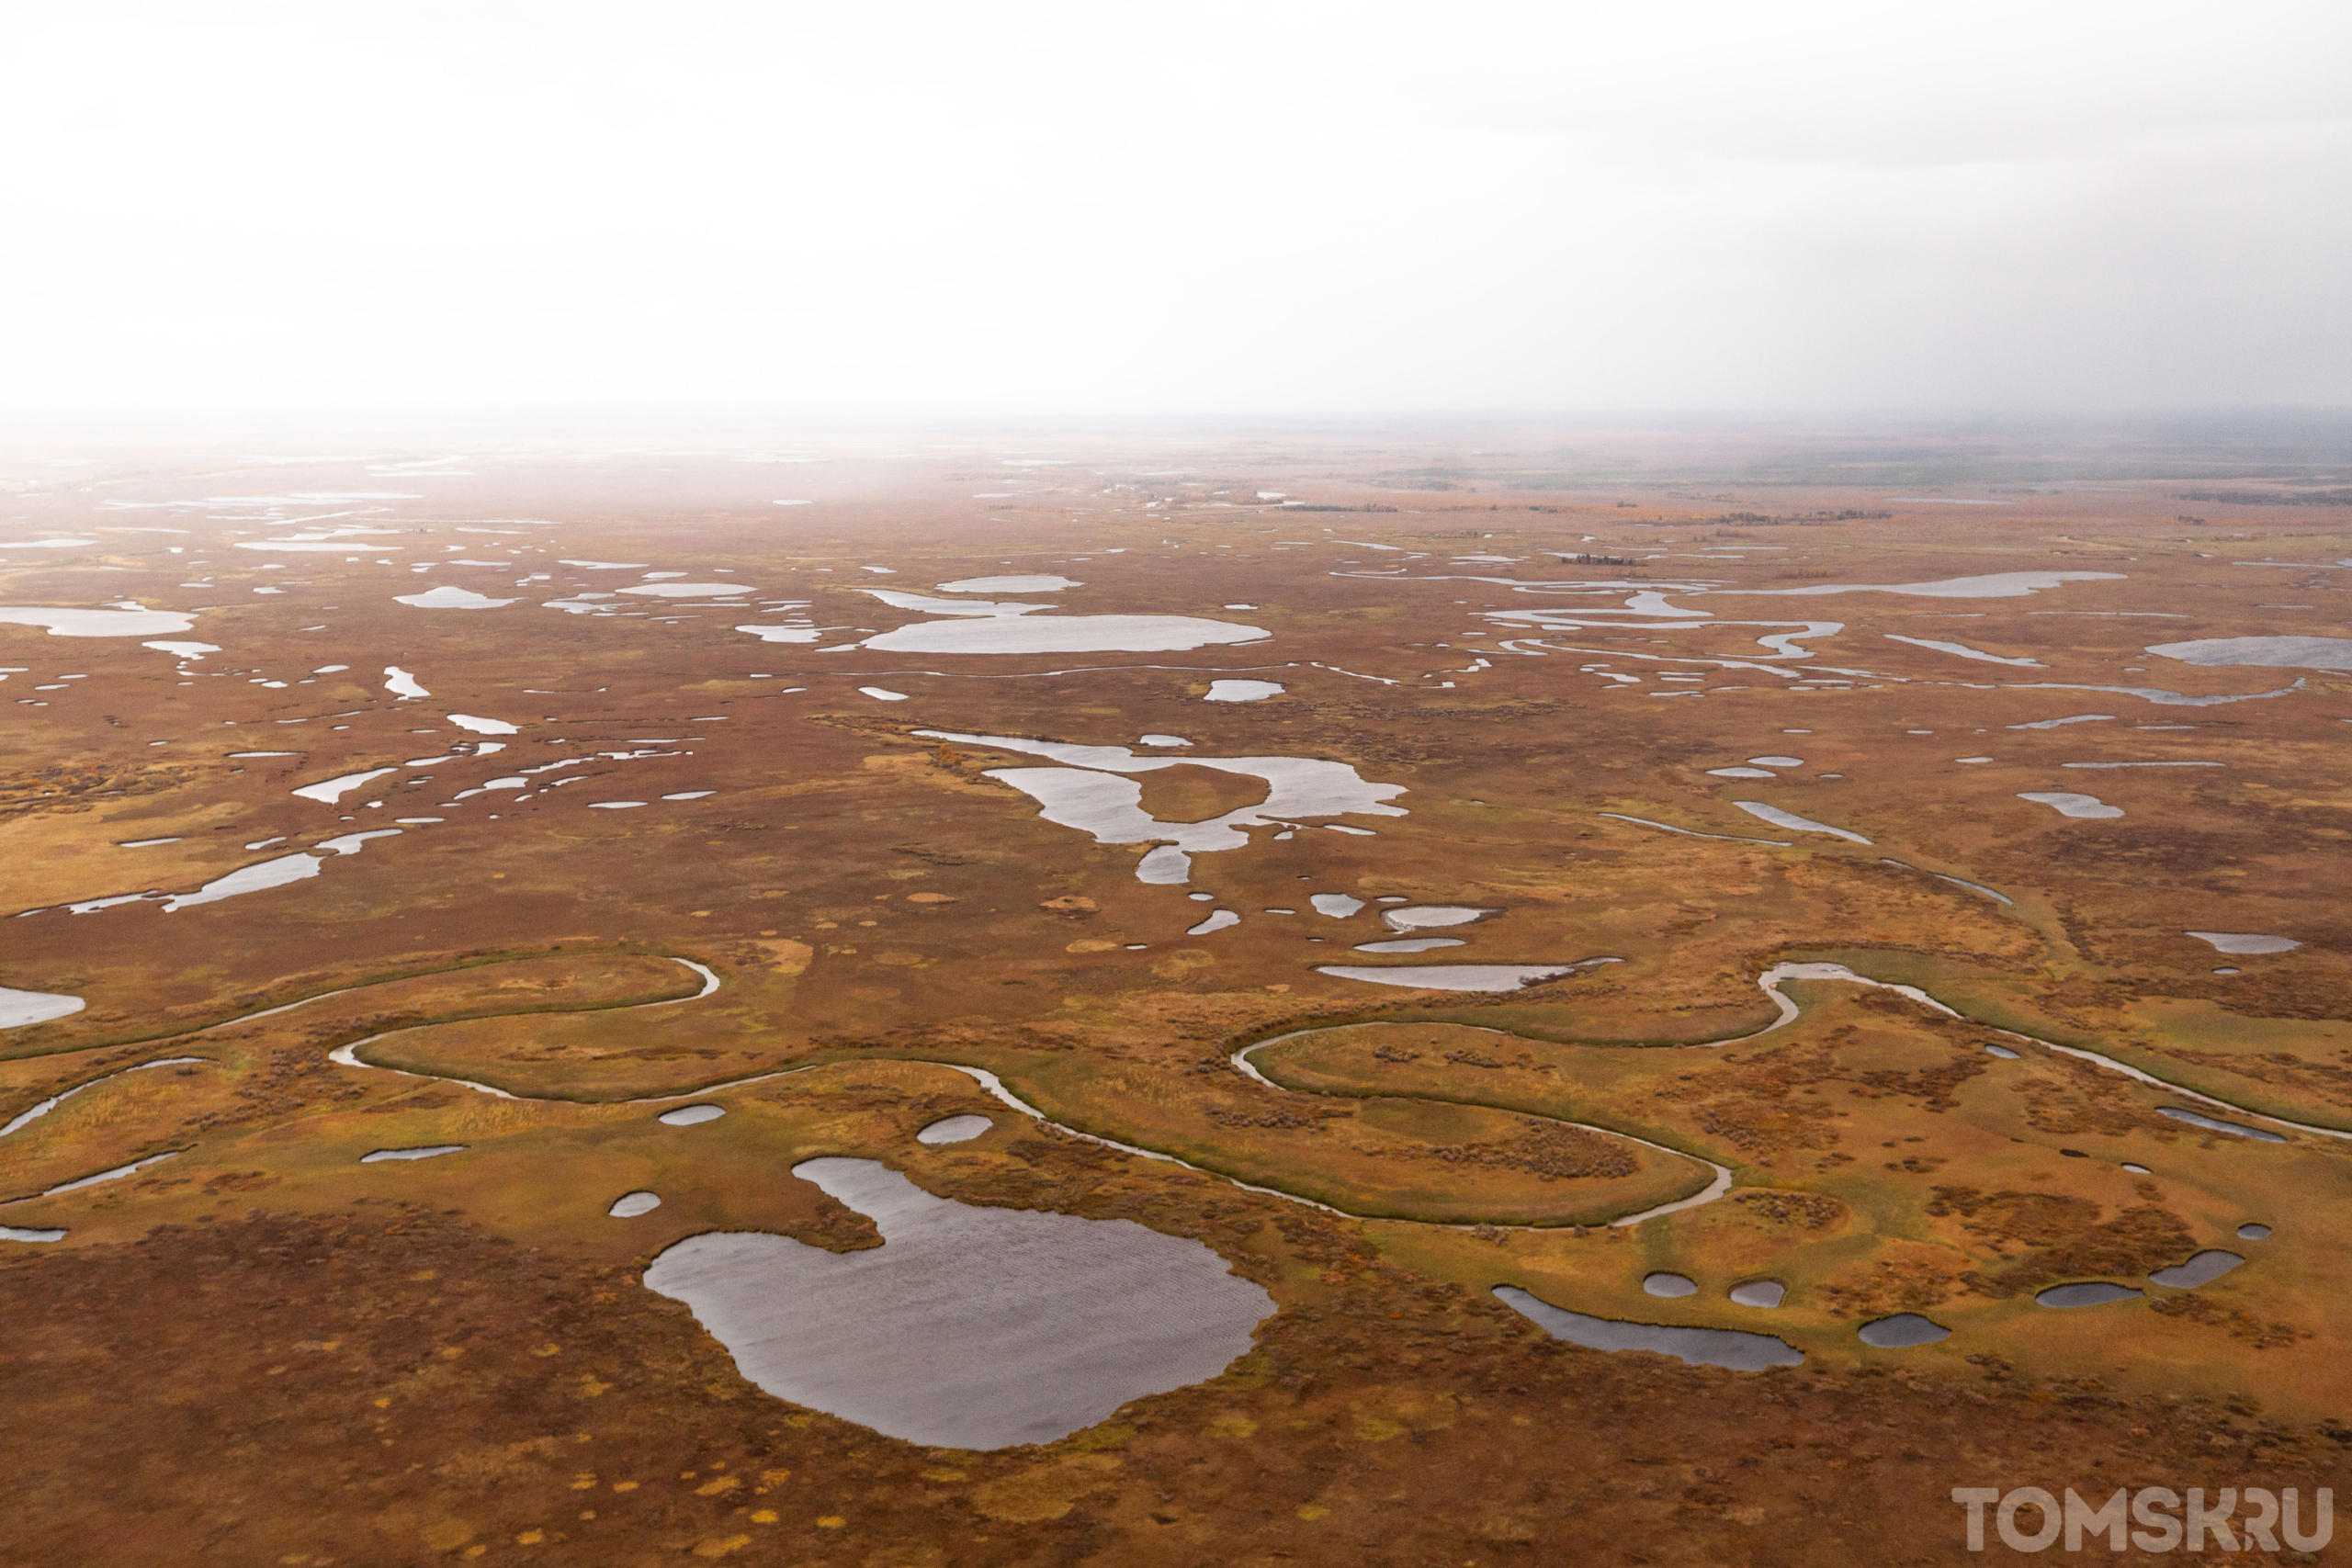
(321,217)
(2304,455)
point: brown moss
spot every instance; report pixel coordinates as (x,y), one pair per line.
(1544,1149)
(2261,1332)
(1800,1210)
(2066,1238)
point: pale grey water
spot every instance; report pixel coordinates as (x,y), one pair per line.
(1794,823)
(1963,649)
(98,623)
(1693,833)
(954,1130)
(1993,894)
(1452,977)
(2202,1270)
(2212,1124)
(2156,694)
(1419,917)
(2271,652)
(2069,803)
(116,1174)
(691,1115)
(2246,941)
(2001,1051)
(1671,1286)
(1087,792)
(2251,1231)
(1989,585)
(1020,584)
(39,1108)
(1734,1347)
(1766,1293)
(428,1151)
(253,878)
(1164,866)
(628,1205)
(1903,1330)
(2092,1292)
(968,1327)
(1072,634)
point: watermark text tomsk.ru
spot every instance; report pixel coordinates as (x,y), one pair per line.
(2153,1518)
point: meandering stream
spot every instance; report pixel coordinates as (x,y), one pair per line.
(1769,982)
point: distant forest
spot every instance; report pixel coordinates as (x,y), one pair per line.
(2268,497)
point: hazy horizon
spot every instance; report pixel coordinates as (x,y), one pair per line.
(324,215)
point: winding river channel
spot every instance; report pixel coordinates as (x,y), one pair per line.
(1770,982)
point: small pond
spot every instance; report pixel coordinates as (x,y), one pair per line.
(1421,917)
(2067,803)
(2202,1270)
(2246,941)
(1901,1331)
(428,1151)
(954,1130)
(969,1327)
(1452,977)
(1732,1348)
(18,1008)
(2090,1293)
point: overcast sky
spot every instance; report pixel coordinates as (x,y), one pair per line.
(867,211)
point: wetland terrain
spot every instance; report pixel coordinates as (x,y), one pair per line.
(907,1001)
